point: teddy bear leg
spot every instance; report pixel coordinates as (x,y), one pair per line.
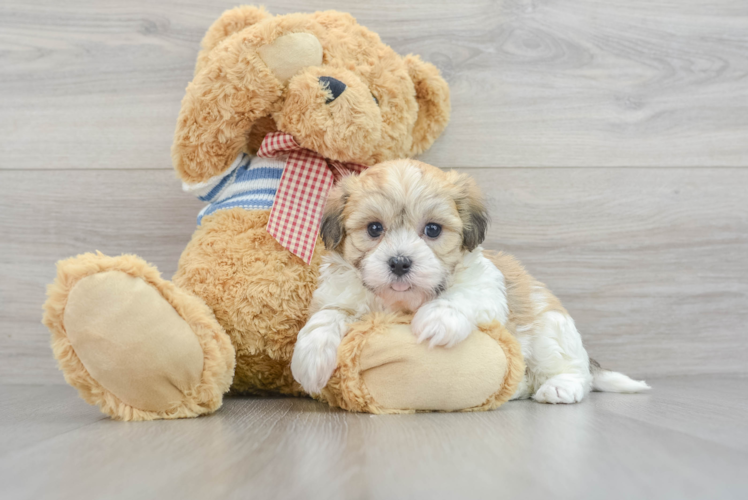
(134,344)
(259,292)
(382,369)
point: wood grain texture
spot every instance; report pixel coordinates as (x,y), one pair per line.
(651,259)
(58,214)
(91,85)
(32,414)
(651,263)
(684,440)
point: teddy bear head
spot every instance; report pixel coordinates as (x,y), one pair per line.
(323,78)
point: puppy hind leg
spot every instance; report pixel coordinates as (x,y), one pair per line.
(565,388)
(524,388)
(560,361)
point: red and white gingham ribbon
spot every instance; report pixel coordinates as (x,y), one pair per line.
(307,178)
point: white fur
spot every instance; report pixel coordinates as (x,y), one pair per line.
(316,353)
(607,381)
(475,295)
(558,366)
(448,306)
(558,369)
(425,275)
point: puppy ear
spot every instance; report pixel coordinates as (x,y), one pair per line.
(432,94)
(472,210)
(332,228)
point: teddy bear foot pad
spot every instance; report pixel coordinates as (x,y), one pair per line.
(135,344)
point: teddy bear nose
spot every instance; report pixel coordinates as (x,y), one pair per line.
(335,86)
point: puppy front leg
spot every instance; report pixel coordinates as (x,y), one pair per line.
(477,296)
(316,352)
(442,323)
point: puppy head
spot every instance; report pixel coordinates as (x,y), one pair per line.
(405,226)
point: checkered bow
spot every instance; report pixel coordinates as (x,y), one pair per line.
(307,178)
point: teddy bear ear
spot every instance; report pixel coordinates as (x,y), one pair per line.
(432,94)
(230,22)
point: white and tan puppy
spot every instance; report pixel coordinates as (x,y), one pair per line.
(406,236)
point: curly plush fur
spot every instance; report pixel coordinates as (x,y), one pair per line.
(393,106)
(258,290)
(219,358)
(244,297)
(347,388)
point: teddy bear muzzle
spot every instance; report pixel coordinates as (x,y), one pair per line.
(287,55)
(330,110)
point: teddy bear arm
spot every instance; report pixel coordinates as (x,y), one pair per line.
(228,104)
(219,109)
(230,22)
(382,369)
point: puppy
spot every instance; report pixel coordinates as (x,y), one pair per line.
(405,236)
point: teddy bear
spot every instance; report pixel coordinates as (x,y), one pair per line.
(278,109)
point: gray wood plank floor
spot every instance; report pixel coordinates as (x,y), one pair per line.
(687,439)
(611,139)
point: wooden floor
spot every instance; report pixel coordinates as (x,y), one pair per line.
(611,140)
(687,439)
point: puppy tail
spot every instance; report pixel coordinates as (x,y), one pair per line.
(607,381)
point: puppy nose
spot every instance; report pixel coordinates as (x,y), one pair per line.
(399,265)
(335,86)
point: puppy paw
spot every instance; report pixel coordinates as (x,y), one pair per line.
(561,389)
(315,357)
(441,325)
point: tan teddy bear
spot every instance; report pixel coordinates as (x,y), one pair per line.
(273,97)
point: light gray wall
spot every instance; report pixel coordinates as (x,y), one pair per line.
(610,139)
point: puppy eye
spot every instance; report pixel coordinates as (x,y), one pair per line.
(375,99)
(432,230)
(375,229)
